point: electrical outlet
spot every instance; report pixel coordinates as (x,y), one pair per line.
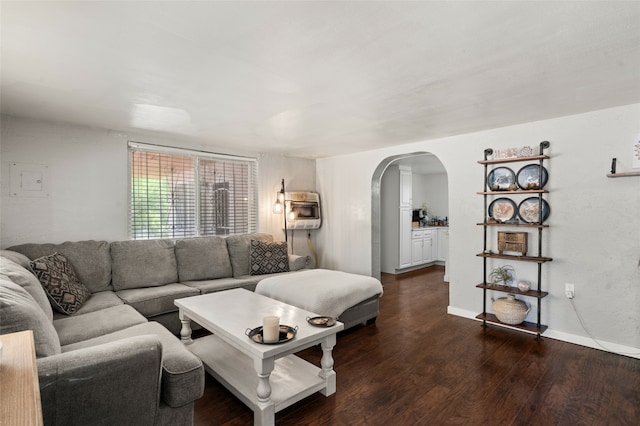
(569,291)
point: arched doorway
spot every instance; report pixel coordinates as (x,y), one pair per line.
(419,160)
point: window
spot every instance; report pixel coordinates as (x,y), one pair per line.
(180,193)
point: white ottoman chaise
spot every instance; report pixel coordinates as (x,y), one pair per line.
(351,298)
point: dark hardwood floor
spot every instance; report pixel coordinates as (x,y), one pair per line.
(420,366)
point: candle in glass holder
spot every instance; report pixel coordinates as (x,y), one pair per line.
(270,329)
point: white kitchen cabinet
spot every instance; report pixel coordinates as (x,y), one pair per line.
(417,247)
(404,232)
(421,247)
(406,187)
(417,255)
(427,244)
(443,244)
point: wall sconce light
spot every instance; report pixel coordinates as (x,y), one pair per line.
(280,207)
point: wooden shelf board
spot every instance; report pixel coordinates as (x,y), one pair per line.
(512,257)
(627,174)
(515,291)
(525,326)
(520,191)
(514,159)
(522,225)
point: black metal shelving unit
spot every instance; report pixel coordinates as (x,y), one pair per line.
(535,328)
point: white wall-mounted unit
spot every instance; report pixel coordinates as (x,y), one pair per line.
(305,207)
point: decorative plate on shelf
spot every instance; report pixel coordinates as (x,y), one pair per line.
(502,179)
(529,177)
(503,209)
(529,210)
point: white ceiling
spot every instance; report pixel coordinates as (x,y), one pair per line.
(315,79)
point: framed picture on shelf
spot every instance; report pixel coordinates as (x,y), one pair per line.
(528,177)
(502,179)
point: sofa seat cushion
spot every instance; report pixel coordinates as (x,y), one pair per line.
(238,246)
(90,259)
(25,279)
(210,286)
(147,263)
(62,285)
(77,328)
(182,371)
(97,302)
(19,312)
(153,301)
(203,258)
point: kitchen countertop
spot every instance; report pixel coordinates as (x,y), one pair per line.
(429,227)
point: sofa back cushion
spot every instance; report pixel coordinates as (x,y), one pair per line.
(203,258)
(90,259)
(143,263)
(239,246)
(25,279)
(16,257)
(18,312)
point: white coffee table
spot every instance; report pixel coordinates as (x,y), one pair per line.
(267,378)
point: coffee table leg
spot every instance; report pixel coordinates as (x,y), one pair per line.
(185,331)
(327,372)
(265,412)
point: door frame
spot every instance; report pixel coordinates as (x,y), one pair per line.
(376,184)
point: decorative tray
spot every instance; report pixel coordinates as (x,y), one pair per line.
(321,321)
(286,333)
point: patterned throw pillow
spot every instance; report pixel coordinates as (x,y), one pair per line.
(57,276)
(268,258)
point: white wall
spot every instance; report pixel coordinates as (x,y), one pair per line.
(432,190)
(594,234)
(298,175)
(88,183)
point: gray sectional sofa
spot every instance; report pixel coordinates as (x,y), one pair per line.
(117,359)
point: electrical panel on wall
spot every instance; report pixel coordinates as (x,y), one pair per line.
(303,210)
(29,180)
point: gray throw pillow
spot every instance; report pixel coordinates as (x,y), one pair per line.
(268,258)
(239,247)
(59,279)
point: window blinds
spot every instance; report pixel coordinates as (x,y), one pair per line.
(180,193)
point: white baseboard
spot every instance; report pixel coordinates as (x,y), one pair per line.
(565,337)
